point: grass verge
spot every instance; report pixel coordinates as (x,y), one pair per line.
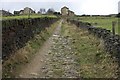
(13,65)
(93,61)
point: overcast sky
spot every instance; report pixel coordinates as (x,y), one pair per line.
(95,7)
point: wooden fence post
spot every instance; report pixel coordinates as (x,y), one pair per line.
(113,27)
(118,26)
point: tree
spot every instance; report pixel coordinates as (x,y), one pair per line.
(42,11)
(118,15)
(56,13)
(50,11)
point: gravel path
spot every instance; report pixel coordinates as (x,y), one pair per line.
(55,59)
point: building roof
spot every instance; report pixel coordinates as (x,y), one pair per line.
(65,7)
(27,8)
(71,11)
(4,12)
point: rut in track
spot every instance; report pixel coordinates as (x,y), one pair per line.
(54,59)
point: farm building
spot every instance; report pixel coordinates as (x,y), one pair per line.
(71,13)
(5,13)
(26,10)
(66,12)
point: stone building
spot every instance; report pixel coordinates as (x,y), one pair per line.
(71,13)
(26,10)
(5,13)
(64,11)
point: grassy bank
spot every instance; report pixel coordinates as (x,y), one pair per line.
(92,60)
(26,16)
(12,66)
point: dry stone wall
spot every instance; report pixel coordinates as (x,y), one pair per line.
(111,42)
(17,32)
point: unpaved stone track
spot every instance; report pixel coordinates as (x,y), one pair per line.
(55,59)
(60,60)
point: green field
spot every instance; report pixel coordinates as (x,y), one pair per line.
(104,22)
(26,16)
